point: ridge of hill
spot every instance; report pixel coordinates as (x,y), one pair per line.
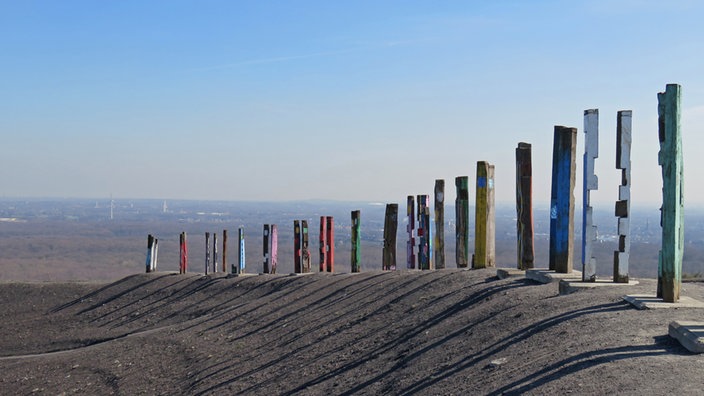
(403,332)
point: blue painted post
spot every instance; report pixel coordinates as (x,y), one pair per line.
(589,182)
(562,199)
(672,211)
(241,261)
(623,205)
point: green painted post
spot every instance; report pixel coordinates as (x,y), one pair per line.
(672,211)
(356,258)
(462,221)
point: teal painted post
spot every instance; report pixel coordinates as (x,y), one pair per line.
(356,259)
(562,199)
(672,211)
(241,261)
(462,222)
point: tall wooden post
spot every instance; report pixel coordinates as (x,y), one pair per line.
(524,207)
(623,205)
(155,254)
(274,249)
(410,226)
(356,256)
(330,264)
(439,224)
(423,232)
(305,251)
(589,182)
(215,252)
(462,222)
(390,228)
(672,211)
(224,251)
(485,218)
(150,252)
(183,254)
(242,262)
(323,242)
(562,199)
(297,268)
(207,252)
(266,244)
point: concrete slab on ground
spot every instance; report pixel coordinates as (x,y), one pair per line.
(645,301)
(571,286)
(689,333)
(503,273)
(547,276)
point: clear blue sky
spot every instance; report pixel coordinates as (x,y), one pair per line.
(345,100)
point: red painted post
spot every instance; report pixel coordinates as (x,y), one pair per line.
(330,264)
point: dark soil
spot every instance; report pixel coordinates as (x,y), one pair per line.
(404,332)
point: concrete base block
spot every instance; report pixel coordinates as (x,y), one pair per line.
(689,333)
(503,273)
(548,276)
(301,273)
(644,301)
(572,286)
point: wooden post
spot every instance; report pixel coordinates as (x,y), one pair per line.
(562,199)
(589,182)
(183,254)
(672,211)
(330,264)
(207,252)
(274,249)
(485,218)
(155,254)
(242,262)
(423,232)
(390,228)
(266,244)
(224,251)
(411,243)
(462,222)
(623,205)
(356,256)
(439,224)
(215,252)
(305,251)
(297,268)
(524,207)
(150,252)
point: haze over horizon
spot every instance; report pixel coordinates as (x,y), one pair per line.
(363,101)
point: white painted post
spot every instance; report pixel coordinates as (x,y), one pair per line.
(623,205)
(590,182)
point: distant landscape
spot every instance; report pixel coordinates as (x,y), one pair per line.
(72,239)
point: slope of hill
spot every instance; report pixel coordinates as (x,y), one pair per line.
(404,332)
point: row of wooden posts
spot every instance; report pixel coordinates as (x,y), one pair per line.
(427,251)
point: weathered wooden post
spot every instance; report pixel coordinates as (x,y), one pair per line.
(439,224)
(224,251)
(623,205)
(462,221)
(301,253)
(355,261)
(485,218)
(390,228)
(207,252)
(305,250)
(215,252)
(297,268)
(155,255)
(150,252)
(410,226)
(241,261)
(524,206)
(423,232)
(589,182)
(183,254)
(562,199)
(266,244)
(323,242)
(672,211)
(327,244)
(274,239)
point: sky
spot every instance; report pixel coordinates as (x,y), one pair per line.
(341,100)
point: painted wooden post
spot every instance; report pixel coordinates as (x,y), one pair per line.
(215,252)
(155,255)
(485,218)
(323,242)
(207,252)
(410,226)
(524,207)
(224,251)
(562,199)
(623,205)
(183,254)
(423,232)
(439,224)
(589,182)
(301,252)
(462,222)
(274,239)
(241,261)
(266,245)
(672,211)
(356,256)
(297,268)
(330,264)
(390,228)
(150,252)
